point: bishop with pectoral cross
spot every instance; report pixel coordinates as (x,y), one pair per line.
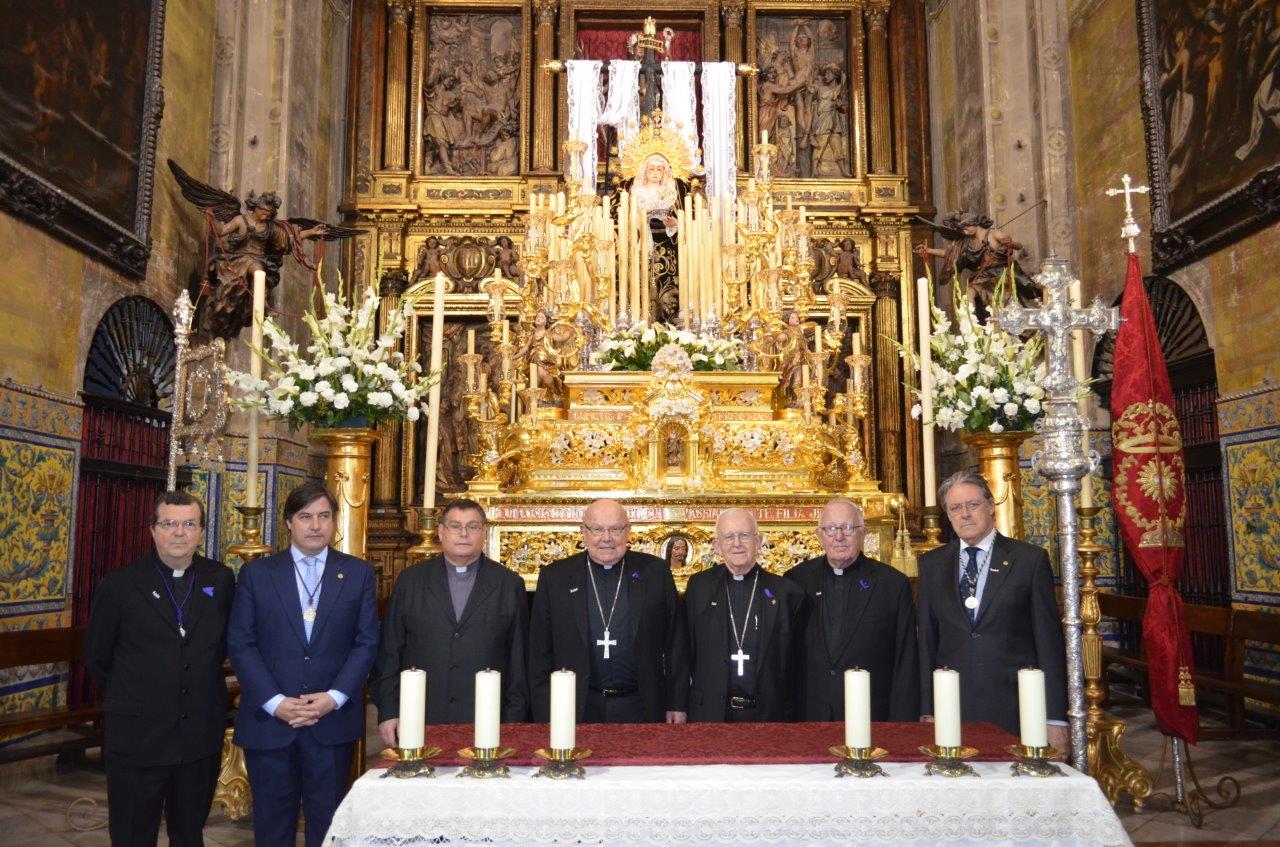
(742,631)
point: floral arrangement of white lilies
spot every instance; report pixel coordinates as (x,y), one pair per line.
(633,349)
(984,379)
(347,373)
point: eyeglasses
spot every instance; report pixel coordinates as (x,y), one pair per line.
(458,528)
(831,530)
(172,526)
(971,506)
(737,537)
(615,531)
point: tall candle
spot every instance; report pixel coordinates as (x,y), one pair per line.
(927,453)
(433,414)
(855,343)
(564,710)
(488,708)
(471,368)
(624,247)
(1082,374)
(946,708)
(255,371)
(413,707)
(1033,727)
(857,708)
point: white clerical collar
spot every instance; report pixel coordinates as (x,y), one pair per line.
(177,574)
(838,571)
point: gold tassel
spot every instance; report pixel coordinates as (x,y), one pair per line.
(904,556)
(1186,687)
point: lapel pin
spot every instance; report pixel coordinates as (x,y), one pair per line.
(635,576)
(208,590)
(573,590)
(341,574)
(713,602)
(864,584)
(817,594)
(768,593)
(155,594)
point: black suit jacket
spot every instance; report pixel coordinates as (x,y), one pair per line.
(164,696)
(878,634)
(780,602)
(1018,626)
(558,633)
(419,631)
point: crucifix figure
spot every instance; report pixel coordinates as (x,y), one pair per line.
(649,50)
(605,642)
(739,657)
(1130,229)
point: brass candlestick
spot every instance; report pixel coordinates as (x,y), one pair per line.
(251,546)
(949,761)
(411,762)
(486,762)
(562,764)
(931,522)
(1034,761)
(858,761)
(422,521)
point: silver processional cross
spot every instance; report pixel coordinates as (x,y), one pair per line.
(605,642)
(1061,458)
(739,657)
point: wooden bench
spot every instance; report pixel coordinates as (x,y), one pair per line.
(39,647)
(1236,627)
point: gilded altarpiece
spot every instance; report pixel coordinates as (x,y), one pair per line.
(464,80)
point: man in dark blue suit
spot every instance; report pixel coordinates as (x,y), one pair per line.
(302,638)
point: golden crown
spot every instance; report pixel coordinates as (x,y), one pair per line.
(655,138)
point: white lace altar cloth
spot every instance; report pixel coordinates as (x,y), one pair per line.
(730,805)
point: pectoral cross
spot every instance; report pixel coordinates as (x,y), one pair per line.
(741,658)
(606,643)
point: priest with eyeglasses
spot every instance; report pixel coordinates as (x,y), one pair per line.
(744,623)
(612,616)
(858,614)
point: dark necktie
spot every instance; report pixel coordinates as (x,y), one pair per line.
(969,583)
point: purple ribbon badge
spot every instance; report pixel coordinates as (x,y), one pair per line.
(865,585)
(635,576)
(768,593)
(208,590)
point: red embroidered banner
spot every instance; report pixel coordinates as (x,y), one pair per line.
(1149,497)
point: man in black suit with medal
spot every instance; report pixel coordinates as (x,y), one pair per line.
(988,609)
(155,645)
(612,616)
(451,616)
(858,614)
(743,626)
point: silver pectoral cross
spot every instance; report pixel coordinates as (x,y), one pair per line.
(739,657)
(606,643)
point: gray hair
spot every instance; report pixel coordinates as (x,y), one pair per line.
(965,478)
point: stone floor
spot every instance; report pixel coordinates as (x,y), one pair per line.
(41,806)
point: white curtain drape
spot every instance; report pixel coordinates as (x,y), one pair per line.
(622,112)
(719,119)
(678,101)
(584,114)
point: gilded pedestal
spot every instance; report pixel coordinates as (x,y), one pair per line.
(347,472)
(232,793)
(998,464)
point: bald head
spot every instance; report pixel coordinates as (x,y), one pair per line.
(841,530)
(606,531)
(737,539)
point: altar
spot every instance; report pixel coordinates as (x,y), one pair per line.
(698,793)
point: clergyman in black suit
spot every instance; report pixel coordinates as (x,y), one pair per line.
(858,614)
(612,616)
(988,609)
(454,615)
(744,623)
(155,644)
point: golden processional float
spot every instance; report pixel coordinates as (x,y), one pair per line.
(675,444)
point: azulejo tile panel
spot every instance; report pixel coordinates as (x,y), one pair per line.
(1249,412)
(30,411)
(37,484)
(1252,482)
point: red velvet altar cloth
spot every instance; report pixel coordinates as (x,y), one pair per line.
(716,743)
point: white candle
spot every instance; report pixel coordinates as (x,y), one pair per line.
(857,708)
(1082,373)
(1032,725)
(946,708)
(433,415)
(488,708)
(855,344)
(564,711)
(255,371)
(471,368)
(413,707)
(927,453)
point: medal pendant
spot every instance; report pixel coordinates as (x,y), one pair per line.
(309,614)
(182,630)
(971,602)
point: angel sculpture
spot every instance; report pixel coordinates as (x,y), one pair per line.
(247,240)
(985,252)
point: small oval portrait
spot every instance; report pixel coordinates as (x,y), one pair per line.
(676,552)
